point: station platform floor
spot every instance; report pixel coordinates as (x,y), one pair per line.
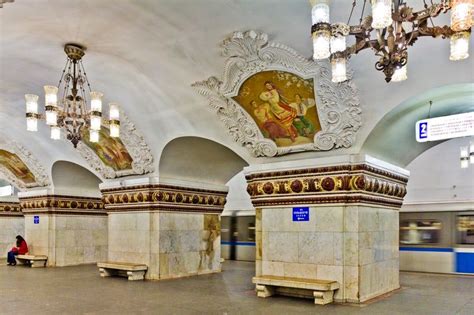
(80,290)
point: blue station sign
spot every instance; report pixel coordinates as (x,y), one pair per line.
(300,214)
(36,219)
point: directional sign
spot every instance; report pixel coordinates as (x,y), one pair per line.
(445,127)
(301,214)
(36,219)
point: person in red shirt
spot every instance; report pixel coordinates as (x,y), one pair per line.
(20,249)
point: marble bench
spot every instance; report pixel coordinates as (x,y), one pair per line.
(35,261)
(130,270)
(322,290)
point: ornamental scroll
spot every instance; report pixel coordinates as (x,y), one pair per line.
(275,102)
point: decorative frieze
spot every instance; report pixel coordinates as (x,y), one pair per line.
(341,184)
(57,204)
(164,198)
(10,209)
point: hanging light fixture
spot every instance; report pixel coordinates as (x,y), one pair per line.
(69,112)
(338,55)
(464,157)
(471,152)
(389,31)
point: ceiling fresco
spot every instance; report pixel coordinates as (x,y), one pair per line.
(16,166)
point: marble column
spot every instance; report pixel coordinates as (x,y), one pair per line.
(173,227)
(70,230)
(350,233)
(11,224)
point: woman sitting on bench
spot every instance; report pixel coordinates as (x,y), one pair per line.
(20,249)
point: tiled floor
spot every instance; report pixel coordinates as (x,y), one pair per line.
(80,290)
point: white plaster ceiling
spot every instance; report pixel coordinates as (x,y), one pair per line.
(145,54)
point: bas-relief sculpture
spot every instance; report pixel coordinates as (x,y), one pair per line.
(250,56)
(19,167)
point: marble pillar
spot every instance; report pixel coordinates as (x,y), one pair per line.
(11,224)
(173,227)
(350,231)
(70,230)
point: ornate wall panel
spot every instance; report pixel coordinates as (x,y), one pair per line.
(344,184)
(136,147)
(55,204)
(164,198)
(250,53)
(20,167)
(9,209)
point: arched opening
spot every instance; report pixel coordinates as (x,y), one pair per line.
(75,180)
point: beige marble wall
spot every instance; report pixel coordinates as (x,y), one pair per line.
(172,244)
(10,227)
(354,245)
(68,239)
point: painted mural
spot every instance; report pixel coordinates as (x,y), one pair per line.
(14,164)
(283,106)
(111,151)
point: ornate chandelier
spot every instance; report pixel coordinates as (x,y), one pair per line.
(70,112)
(392,27)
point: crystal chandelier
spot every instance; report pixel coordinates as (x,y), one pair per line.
(392,27)
(69,111)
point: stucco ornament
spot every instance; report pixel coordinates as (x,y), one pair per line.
(41,177)
(249,53)
(136,147)
(2,2)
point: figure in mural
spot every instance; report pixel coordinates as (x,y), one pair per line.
(280,108)
(265,119)
(302,124)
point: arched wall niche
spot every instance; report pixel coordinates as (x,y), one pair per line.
(75,180)
(393,138)
(199,159)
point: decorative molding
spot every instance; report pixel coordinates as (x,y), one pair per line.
(249,53)
(342,184)
(56,204)
(2,2)
(136,146)
(41,178)
(163,198)
(10,209)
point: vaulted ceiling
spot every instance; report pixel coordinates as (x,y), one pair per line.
(145,54)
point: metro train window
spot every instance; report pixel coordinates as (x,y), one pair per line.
(251,236)
(465,229)
(419,232)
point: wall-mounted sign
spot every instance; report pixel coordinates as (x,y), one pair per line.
(36,219)
(301,214)
(445,127)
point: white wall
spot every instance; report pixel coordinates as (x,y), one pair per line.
(237,198)
(437,182)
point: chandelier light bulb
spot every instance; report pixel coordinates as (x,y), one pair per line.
(114,112)
(50,95)
(321,42)
(338,43)
(31,124)
(55,133)
(31,103)
(93,136)
(320,12)
(459,46)
(96,101)
(114,130)
(339,70)
(471,152)
(51,117)
(464,154)
(96,122)
(462,15)
(381,13)
(400,74)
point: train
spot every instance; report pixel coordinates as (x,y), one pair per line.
(430,241)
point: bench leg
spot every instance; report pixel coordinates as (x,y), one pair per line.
(105,273)
(264,291)
(38,263)
(136,275)
(323,297)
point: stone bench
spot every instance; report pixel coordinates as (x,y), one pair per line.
(132,271)
(35,261)
(322,290)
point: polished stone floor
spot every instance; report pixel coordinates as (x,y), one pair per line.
(80,290)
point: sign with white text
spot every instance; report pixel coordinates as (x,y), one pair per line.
(36,219)
(301,214)
(446,127)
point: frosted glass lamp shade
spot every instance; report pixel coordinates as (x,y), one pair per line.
(320,13)
(96,122)
(462,15)
(50,95)
(459,46)
(31,103)
(400,74)
(339,73)
(51,118)
(96,101)
(115,130)
(321,42)
(55,133)
(381,13)
(114,112)
(93,136)
(31,124)
(338,43)
(471,152)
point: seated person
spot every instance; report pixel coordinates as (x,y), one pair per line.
(20,249)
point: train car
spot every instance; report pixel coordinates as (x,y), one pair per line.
(238,236)
(437,241)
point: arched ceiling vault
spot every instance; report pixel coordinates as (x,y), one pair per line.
(145,55)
